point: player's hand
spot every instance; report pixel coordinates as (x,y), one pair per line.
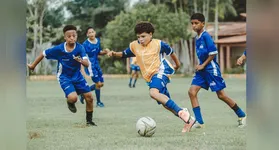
(240,61)
(199,67)
(77,58)
(30,66)
(176,67)
(106,50)
(110,53)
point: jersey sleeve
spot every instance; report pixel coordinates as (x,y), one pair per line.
(127,53)
(83,53)
(244,53)
(210,45)
(52,53)
(165,48)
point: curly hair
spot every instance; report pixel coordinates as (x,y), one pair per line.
(198,16)
(144,26)
(69,27)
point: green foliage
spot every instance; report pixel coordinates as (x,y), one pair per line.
(168,26)
(236,70)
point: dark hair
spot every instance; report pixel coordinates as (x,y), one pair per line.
(69,27)
(198,16)
(144,26)
(88,29)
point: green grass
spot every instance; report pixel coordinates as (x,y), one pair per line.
(53,127)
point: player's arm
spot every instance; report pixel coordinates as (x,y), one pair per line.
(128,66)
(165,48)
(104,52)
(125,54)
(33,65)
(241,58)
(212,52)
(83,59)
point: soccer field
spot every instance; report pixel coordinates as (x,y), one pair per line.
(51,126)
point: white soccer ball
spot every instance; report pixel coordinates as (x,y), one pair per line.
(146,126)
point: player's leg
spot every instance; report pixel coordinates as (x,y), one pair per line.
(89,71)
(99,81)
(136,76)
(82,87)
(132,76)
(217,84)
(70,92)
(232,104)
(157,88)
(198,82)
(89,108)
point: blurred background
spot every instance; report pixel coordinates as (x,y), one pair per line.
(114,22)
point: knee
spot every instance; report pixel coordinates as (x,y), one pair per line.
(88,97)
(72,98)
(221,96)
(99,85)
(192,93)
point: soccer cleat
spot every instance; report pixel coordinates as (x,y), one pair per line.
(198,126)
(81,99)
(90,123)
(130,85)
(134,86)
(72,107)
(242,122)
(184,115)
(100,104)
(188,126)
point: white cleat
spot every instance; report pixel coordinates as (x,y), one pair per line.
(241,122)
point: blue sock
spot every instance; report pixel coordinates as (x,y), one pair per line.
(238,111)
(130,83)
(98,94)
(197,112)
(172,105)
(92,87)
(135,81)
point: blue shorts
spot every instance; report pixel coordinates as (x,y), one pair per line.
(206,79)
(69,85)
(96,73)
(135,67)
(160,82)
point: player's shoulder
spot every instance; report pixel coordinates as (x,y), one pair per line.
(206,34)
(79,46)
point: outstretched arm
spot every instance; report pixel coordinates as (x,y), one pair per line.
(33,65)
(104,52)
(241,58)
(83,61)
(176,61)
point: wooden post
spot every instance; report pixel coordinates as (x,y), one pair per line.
(228,57)
(221,60)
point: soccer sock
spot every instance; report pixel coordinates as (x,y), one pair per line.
(238,111)
(130,83)
(135,81)
(98,94)
(92,87)
(89,116)
(172,105)
(197,112)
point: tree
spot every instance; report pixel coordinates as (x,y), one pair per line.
(39,30)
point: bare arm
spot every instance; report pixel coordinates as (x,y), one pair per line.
(241,59)
(33,65)
(104,52)
(176,61)
(115,54)
(128,65)
(206,62)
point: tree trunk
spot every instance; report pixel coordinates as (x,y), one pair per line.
(41,26)
(207,12)
(181,5)
(195,6)
(216,23)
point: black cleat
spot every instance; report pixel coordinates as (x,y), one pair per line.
(90,123)
(130,85)
(72,107)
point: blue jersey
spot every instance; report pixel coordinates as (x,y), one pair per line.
(244,53)
(92,50)
(204,47)
(67,66)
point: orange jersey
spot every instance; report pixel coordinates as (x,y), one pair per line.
(150,58)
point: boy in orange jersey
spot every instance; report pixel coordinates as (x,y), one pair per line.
(155,68)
